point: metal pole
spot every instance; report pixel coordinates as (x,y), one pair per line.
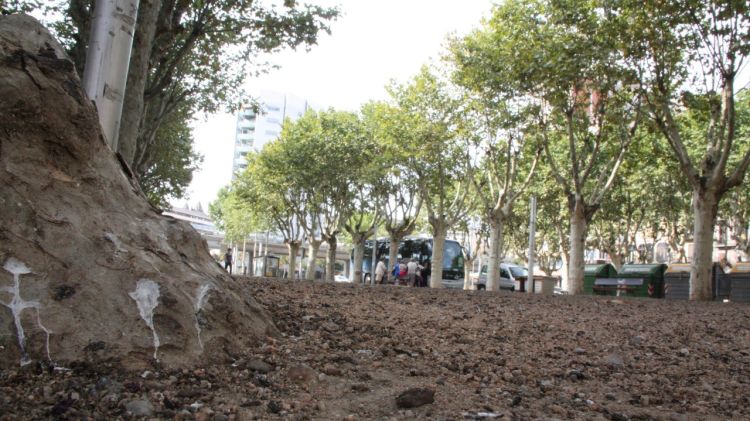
(374,257)
(532,246)
(107,61)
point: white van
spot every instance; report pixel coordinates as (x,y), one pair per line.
(510,275)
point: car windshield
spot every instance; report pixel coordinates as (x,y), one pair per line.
(518,271)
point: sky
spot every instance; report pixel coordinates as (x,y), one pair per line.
(373,42)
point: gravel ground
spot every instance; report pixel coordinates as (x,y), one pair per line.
(386,352)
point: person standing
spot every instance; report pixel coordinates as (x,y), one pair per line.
(228,261)
(411,272)
(380,270)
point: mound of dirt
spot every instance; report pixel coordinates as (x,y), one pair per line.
(349,352)
(88,269)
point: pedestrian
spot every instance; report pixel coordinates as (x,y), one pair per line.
(396,272)
(228,261)
(411,272)
(402,272)
(380,270)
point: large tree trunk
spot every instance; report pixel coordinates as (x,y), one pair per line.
(331,258)
(439,233)
(312,254)
(578,225)
(468,265)
(293,247)
(617,260)
(393,254)
(132,108)
(705,207)
(496,245)
(358,241)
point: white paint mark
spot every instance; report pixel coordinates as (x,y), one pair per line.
(116,242)
(198,306)
(17,305)
(146,296)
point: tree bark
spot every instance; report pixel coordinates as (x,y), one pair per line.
(132,108)
(393,254)
(578,225)
(617,260)
(359,255)
(313,253)
(705,208)
(439,233)
(496,244)
(293,247)
(331,258)
(468,264)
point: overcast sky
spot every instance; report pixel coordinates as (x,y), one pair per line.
(373,42)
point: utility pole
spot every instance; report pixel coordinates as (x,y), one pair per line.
(532,245)
(107,61)
(374,262)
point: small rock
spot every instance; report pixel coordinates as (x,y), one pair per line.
(359,387)
(575,375)
(259,366)
(636,340)
(140,408)
(204,414)
(416,397)
(508,376)
(545,385)
(331,370)
(684,352)
(274,407)
(616,416)
(614,360)
(301,374)
(330,326)
(579,351)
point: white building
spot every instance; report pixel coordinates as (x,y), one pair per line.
(254,130)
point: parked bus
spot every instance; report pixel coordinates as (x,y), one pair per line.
(419,248)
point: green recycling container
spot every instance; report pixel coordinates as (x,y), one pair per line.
(592,272)
(639,281)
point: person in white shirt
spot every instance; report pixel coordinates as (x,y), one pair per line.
(411,271)
(380,270)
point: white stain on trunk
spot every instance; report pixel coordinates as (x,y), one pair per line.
(200,301)
(17,305)
(146,296)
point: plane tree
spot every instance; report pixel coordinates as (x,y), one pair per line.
(563,57)
(267,195)
(397,194)
(442,159)
(688,54)
(502,135)
(188,56)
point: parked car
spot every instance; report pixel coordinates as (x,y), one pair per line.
(341,278)
(510,275)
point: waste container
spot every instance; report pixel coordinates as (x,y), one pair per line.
(641,280)
(739,278)
(544,285)
(677,282)
(592,272)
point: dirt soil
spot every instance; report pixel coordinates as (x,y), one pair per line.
(349,351)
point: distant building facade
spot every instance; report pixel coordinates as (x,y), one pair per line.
(254,130)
